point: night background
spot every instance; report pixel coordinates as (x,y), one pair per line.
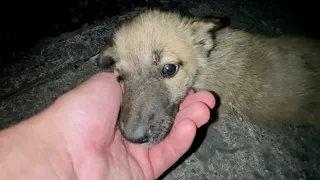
(48,44)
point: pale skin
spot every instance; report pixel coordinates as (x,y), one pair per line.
(76,138)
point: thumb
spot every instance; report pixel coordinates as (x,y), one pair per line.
(90,111)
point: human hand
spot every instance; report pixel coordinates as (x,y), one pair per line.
(83,125)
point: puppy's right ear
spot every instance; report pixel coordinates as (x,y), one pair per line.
(106,59)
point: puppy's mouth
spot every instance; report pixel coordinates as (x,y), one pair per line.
(160,131)
(156,130)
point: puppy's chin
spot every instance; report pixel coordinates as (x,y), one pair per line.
(162,131)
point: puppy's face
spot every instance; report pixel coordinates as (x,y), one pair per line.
(155,57)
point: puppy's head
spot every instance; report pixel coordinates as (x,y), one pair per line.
(155,57)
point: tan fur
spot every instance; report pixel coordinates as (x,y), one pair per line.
(260,78)
(264,78)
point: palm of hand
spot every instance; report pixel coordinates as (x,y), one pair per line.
(97,149)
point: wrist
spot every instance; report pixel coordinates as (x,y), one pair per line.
(34,149)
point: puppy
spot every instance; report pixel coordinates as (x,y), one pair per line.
(158,56)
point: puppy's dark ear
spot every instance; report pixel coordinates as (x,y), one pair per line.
(106,58)
(203,30)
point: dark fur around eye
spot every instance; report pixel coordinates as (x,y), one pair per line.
(119,78)
(169,70)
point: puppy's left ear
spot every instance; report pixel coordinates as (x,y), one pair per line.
(106,58)
(203,30)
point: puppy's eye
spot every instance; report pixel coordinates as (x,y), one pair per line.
(169,70)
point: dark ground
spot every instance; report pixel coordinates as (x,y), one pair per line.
(47,55)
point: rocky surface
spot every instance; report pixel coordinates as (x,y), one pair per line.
(230,150)
(31,21)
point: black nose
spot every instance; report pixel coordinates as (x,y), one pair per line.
(137,135)
(136,139)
